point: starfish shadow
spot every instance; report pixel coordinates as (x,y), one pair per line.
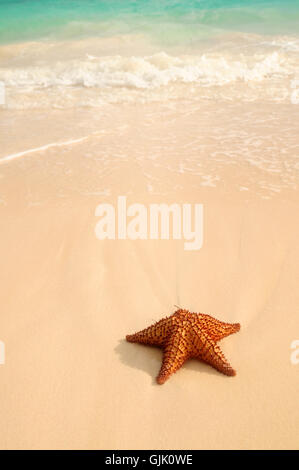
(148,359)
(138,356)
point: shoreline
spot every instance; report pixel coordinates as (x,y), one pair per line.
(149,169)
(69,299)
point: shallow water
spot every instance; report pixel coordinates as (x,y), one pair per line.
(86,53)
(168,21)
(111,62)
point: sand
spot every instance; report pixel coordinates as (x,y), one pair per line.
(70,380)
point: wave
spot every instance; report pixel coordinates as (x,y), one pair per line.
(148,72)
(288,45)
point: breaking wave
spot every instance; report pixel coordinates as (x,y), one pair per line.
(148,72)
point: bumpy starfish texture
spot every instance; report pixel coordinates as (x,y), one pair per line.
(186,335)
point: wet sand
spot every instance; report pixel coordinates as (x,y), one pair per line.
(68,299)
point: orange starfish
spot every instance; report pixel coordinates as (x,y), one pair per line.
(186,335)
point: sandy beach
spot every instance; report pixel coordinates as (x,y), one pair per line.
(70,380)
(109,108)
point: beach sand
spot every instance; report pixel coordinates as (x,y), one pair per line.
(68,300)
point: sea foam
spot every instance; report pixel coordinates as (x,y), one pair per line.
(148,72)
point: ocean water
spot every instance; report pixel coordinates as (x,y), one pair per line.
(86,52)
(165,20)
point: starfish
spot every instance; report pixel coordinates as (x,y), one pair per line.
(185,335)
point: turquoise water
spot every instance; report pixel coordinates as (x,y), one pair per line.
(87,52)
(166,20)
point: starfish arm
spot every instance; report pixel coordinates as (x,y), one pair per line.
(218,329)
(208,351)
(174,355)
(186,335)
(155,334)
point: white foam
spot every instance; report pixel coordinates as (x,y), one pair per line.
(146,72)
(40,149)
(287,44)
